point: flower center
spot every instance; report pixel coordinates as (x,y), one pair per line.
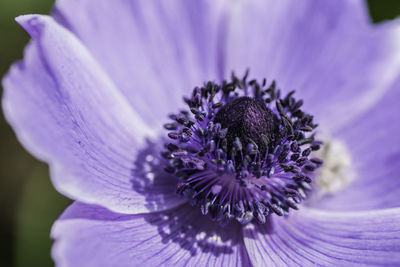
(242,152)
(250,120)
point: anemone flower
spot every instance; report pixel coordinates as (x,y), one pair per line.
(233,174)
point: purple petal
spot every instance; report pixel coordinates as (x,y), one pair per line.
(155,51)
(374,142)
(67,112)
(312,237)
(92,236)
(328,51)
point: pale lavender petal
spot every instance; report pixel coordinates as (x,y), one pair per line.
(155,51)
(68,113)
(330,52)
(311,237)
(92,236)
(373,140)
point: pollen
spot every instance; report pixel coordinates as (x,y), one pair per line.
(336,173)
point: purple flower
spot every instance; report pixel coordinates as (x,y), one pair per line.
(99,79)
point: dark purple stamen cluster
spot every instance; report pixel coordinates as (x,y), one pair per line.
(242,151)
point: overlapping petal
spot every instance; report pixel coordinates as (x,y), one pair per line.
(330,52)
(67,112)
(180,237)
(154,51)
(320,238)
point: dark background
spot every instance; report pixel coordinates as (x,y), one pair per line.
(29,204)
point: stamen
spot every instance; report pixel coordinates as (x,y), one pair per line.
(242,152)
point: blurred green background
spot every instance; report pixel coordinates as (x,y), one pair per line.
(29,204)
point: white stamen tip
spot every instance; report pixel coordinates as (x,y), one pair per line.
(336,172)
